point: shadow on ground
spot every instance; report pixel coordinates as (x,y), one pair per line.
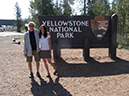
(48,89)
(93,68)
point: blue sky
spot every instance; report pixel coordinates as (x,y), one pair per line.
(7,8)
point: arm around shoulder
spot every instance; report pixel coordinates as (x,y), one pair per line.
(48,33)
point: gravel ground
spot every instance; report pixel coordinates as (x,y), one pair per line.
(101,76)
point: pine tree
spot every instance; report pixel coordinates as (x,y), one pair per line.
(18,21)
(95,26)
(58,8)
(120,7)
(67,8)
(98,7)
(39,8)
(127,18)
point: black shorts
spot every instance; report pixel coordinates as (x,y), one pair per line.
(45,54)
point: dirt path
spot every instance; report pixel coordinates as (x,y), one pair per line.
(101,76)
(11,33)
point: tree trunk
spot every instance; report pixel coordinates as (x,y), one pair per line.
(84,7)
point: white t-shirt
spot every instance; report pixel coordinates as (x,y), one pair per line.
(44,45)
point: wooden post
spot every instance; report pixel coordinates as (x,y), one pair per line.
(56,51)
(86,49)
(113,46)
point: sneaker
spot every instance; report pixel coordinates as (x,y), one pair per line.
(55,73)
(31,75)
(48,76)
(38,75)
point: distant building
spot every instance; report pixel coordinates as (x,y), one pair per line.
(6,22)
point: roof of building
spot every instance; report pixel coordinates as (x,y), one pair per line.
(6,22)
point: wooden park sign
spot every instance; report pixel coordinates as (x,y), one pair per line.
(82,32)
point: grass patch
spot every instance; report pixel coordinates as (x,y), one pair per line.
(21,37)
(123,42)
(7,31)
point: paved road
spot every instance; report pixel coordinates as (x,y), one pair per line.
(11,33)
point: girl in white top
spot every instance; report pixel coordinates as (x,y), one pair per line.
(45,48)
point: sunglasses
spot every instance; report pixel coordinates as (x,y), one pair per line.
(42,28)
(31,25)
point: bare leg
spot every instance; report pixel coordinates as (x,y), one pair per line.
(37,66)
(50,62)
(46,65)
(30,66)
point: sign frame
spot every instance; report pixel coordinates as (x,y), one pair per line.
(82,34)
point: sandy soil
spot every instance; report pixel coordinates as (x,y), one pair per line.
(101,76)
